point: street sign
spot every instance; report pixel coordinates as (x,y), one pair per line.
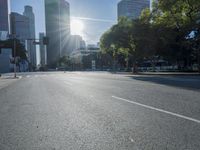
(36,43)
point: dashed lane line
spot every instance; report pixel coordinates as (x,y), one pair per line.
(157,109)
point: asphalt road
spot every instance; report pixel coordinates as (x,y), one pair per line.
(99,111)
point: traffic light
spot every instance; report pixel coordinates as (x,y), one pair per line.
(45,40)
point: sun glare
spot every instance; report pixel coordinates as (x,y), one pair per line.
(77,27)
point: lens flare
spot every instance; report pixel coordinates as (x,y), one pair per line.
(77,27)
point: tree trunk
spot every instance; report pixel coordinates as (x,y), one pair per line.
(114,63)
(127,64)
(134,69)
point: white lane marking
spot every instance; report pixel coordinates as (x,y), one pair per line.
(159,110)
(132,140)
(67,83)
(28,76)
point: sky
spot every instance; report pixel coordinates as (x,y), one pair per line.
(97,16)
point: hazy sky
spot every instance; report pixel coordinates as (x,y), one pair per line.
(97,15)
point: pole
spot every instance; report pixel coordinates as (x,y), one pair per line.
(198,57)
(15,64)
(31,60)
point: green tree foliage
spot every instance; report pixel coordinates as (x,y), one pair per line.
(20,49)
(118,41)
(171,30)
(64,62)
(178,21)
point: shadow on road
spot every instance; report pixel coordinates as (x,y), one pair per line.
(192,83)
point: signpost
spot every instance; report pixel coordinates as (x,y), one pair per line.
(15,63)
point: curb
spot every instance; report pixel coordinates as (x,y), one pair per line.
(169,74)
(159,73)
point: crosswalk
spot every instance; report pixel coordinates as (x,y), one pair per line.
(24,76)
(6,79)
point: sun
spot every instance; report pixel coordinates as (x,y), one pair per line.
(77,27)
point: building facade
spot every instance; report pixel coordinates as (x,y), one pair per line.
(57,16)
(43,51)
(85,58)
(5,56)
(76,43)
(4,17)
(20,27)
(132,8)
(64,26)
(28,12)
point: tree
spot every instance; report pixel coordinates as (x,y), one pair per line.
(118,40)
(170,31)
(64,61)
(180,18)
(20,49)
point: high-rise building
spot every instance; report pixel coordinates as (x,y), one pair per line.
(28,12)
(43,51)
(132,8)
(5,65)
(20,27)
(57,29)
(82,44)
(76,43)
(64,26)
(4,18)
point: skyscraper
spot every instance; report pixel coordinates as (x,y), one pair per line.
(64,26)
(57,29)
(43,52)
(20,27)
(4,19)
(132,8)
(28,12)
(76,43)
(4,11)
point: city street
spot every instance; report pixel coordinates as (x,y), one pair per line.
(99,111)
